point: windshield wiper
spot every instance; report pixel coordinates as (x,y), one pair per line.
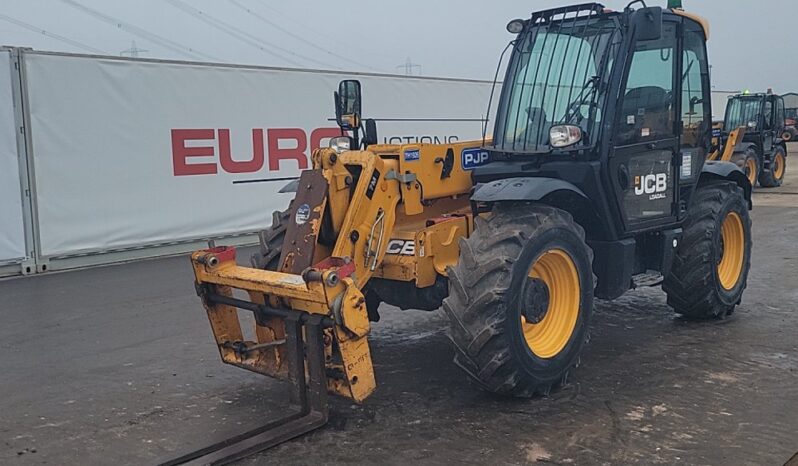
(585,96)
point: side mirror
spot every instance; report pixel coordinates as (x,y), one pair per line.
(347,104)
(647,23)
(369,132)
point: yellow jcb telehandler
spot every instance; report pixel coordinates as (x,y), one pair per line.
(752,136)
(594,182)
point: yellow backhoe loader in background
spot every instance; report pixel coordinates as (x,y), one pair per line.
(595,181)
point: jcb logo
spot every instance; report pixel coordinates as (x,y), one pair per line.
(401,247)
(651,184)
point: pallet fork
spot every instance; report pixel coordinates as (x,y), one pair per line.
(308,394)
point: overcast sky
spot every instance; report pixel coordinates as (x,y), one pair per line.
(454,38)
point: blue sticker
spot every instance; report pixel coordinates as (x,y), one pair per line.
(302,214)
(473,158)
(412,155)
(716,132)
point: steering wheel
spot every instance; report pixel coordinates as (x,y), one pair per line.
(574,112)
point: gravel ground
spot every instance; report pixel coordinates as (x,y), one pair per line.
(116,365)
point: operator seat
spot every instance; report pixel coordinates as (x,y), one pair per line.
(647,114)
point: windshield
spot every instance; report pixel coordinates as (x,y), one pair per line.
(557,74)
(741,111)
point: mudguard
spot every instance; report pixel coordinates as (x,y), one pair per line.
(521,189)
(717,170)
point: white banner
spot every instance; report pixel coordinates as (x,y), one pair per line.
(134,152)
(12,233)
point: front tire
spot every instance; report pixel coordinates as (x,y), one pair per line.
(271,242)
(710,269)
(774,177)
(748,162)
(520,299)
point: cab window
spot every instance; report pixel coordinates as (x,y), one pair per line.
(768,114)
(647,109)
(695,79)
(780,113)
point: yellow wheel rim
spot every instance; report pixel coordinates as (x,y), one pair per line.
(558,272)
(733,246)
(778,169)
(750,170)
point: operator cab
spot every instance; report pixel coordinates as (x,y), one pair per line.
(615,104)
(763,116)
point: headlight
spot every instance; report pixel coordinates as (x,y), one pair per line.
(752,124)
(564,135)
(515,26)
(340,144)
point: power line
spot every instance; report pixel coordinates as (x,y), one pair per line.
(51,35)
(244,36)
(296,36)
(316,31)
(152,37)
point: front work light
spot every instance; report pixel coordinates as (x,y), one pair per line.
(564,135)
(341,144)
(675,4)
(515,26)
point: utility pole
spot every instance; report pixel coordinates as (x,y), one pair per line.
(409,66)
(133,51)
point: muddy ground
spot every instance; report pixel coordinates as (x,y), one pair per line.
(115,365)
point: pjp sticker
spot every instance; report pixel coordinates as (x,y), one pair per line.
(473,158)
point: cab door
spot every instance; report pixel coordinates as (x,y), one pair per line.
(643,162)
(768,130)
(780,119)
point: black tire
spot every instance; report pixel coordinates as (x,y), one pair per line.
(770,178)
(748,162)
(271,245)
(694,285)
(488,285)
(271,242)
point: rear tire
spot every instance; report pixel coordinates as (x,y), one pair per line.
(775,176)
(748,162)
(710,269)
(518,264)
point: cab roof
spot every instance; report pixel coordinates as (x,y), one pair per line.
(698,19)
(599,9)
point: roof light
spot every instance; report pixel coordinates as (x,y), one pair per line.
(515,26)
(673,4)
